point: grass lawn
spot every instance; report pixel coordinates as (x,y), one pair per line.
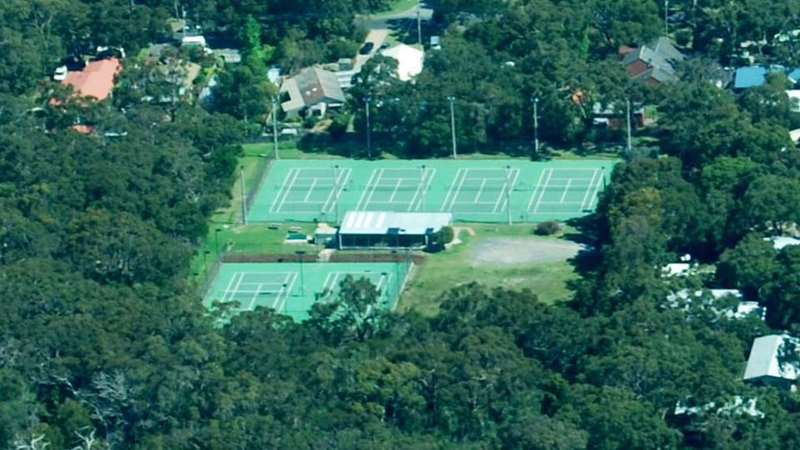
(443,271)
(397,7)
(256,238)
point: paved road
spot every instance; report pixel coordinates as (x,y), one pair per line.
(379,21)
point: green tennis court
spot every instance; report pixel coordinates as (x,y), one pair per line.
(292,289)
(476,191)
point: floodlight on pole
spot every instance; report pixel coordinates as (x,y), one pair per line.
(369,129)
(336,191)
(452,101)
(536,125)
(509,187)
(628,121)
(419,23)
(244,200)
(275,128)
(422,169)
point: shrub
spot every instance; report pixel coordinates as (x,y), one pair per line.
(446,235)
(548,228)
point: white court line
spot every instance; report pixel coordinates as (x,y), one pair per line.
(228,287)
(359,206)
(560,203)
(566,190)
(292,278)
(425,184)
(336,192)
(510,189)
(459,173)
(480,191)
(535,188)
(543,190)
(288,189)
(600,181)
(458,190)
(282,190)
(310,189)
(396,188)
(253,299)
(589,188)
(374,188)
(236,288)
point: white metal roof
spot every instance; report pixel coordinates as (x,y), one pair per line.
(778,242)
(764,359)
(409,60)
(380,222)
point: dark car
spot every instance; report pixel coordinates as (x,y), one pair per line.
(367,48)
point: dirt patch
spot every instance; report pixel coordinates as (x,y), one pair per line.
(507,251)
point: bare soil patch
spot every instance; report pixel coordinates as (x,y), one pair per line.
(507,251)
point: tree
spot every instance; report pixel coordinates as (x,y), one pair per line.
(354,314)
(243,93)
(771,203)
(749,266)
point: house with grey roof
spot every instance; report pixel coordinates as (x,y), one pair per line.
(653,63)
(311,92)
(773,360)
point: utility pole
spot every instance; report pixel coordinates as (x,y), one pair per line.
(419,23)
(628,120)
(275,128)
(244,201)
(369,132)
(508,193)
(336,191)
(536,125)
(452,101)
(666,17)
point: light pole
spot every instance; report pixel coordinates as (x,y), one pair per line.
(628,122)
(205,264)
(216,241)
(536,125)
(666,17)
(452,101)
(275,127)
(419,23)
(300,254)
(336,191)
(244,202)
(508,193)
(369,130)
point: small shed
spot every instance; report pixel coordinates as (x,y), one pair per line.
(324,234)
(385,229)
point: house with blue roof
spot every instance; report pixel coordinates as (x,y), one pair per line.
(755,76)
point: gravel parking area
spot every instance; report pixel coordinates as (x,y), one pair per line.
(506,251)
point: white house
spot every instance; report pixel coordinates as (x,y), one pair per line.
(409,60)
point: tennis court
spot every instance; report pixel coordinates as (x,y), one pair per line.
(292,289)
(477,191)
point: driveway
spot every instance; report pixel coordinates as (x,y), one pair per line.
(378,21)
(377,37)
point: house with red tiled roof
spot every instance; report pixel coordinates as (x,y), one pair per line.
(96,80)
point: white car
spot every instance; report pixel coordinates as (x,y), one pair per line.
(60,73)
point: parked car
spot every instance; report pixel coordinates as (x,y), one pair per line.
(367,48)
(60,74)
